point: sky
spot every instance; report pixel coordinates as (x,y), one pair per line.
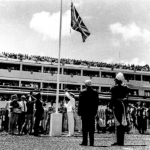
(120,29)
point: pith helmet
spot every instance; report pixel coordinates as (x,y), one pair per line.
(88,82)
(120,76)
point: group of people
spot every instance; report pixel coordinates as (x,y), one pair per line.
(74,62)
(25,114)
(138,116)
(88,108)
(28,113)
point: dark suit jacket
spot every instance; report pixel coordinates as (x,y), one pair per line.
(118,92)
(39,108)
(88,103)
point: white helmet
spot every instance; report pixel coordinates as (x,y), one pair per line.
(120,76)
(88,83)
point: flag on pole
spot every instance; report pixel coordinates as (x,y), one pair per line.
(77,23)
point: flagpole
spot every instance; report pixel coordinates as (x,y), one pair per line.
(58,72)
(56,118)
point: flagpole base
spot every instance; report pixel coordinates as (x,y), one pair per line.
(56,124)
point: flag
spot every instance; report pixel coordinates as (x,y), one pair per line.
(77,23)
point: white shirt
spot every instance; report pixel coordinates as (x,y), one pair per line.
(7,107)
(23,106)
(71,104)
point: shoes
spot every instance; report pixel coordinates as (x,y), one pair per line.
(83,144)
(91,144)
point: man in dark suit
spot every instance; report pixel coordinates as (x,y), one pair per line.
(87,109)
(38,113)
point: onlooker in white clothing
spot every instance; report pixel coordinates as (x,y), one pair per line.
(7,115)
(70,111)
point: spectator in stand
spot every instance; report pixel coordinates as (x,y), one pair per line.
(75,62)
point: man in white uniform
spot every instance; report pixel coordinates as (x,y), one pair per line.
(70,108)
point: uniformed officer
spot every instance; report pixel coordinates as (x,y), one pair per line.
(119,93)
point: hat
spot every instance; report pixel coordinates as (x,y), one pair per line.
(14,96)
(88,82)
(23,96)
(120,76)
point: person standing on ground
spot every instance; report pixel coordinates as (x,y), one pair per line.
(87,109)
(7,115)
(48,120)
(144,118)
(22,115)
(38,113)
(139,117)
(119,93)
(77,118)
(62,110)
(70,111)
(29,120)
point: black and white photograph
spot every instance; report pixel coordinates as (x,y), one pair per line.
(74,74)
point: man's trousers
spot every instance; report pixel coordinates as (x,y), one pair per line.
(88,126)
(70,123)
(120,134)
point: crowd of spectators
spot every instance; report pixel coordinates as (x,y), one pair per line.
(75,62)
(20,119)
(4,97)
(9,83)
(30,85)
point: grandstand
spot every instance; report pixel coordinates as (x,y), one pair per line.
(22,73)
